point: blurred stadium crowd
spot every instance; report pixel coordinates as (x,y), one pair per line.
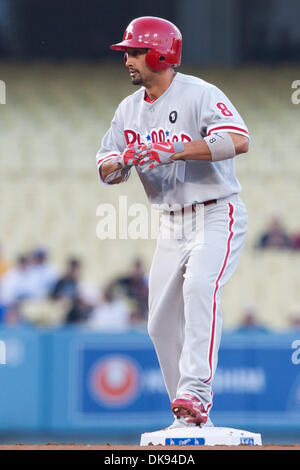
(33,291)
(278,237)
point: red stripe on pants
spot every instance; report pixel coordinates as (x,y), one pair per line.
(212,338)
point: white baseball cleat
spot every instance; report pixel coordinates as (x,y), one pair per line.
(182,423)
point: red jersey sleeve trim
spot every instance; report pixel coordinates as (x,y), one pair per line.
(228,128)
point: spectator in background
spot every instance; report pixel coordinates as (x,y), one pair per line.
(137,318)
(249,323)
(82,306)
(275,237)
(12,315)
(294,318)
(30,279)
(295,241)
(135,288)
(79,312)
(15,283)
(66,287)
(112,314)
(42,275)
(2,313)
(4,265)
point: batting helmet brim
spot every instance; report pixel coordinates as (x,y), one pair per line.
(122,46)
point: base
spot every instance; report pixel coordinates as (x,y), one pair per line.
(208,436)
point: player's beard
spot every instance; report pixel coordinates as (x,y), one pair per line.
(141,78)
(137,80)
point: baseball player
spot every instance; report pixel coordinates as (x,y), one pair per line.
(181,134)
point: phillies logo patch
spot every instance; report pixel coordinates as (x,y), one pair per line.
(173,117)
(155,136)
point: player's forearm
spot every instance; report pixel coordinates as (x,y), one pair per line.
(107,168)
(194,150)
(199,150)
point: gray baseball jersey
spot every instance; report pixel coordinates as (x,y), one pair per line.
(189,109)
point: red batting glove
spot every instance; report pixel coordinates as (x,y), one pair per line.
(129,157)
(158,154)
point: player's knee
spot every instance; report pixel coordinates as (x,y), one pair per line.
(196,285)
(152,328)
(155,328)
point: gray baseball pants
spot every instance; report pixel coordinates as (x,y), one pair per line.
(196,254)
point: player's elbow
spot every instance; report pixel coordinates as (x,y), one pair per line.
(245,145)
(241,144)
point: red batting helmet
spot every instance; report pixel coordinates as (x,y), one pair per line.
(160,36)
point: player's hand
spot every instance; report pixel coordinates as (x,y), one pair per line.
(129,157)
(156,154)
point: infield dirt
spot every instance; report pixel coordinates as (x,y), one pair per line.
(108,447)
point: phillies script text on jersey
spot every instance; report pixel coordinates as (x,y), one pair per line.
(155,135)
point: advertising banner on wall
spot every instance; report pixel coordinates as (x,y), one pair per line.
(71,379)
(115,382)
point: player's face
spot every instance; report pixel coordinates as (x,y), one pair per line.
(135,61)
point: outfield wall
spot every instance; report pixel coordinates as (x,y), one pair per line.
(73,380)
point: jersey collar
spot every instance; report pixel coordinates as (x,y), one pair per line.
(149,101)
